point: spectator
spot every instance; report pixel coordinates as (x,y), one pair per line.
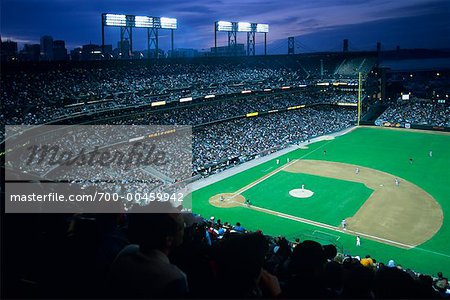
(239,260)
(238,227)
(145,271)
(306,272)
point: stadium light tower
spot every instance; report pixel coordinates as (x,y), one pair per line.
(232,28)
(128,22)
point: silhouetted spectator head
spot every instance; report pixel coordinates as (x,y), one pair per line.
(161,231)
(283,247)
(308,256)
(239,259)
(358,281)
(393,283)
(330,251)
(426,280)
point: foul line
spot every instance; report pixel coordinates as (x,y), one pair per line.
(425,250)
(326,226)
(269,168)
(249,186)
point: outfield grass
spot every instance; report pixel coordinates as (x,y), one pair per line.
(385,150)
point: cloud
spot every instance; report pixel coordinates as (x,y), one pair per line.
(78,21)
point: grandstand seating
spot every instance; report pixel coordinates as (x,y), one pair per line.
(417,112)
(123,255)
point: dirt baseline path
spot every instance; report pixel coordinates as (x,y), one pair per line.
(404,213)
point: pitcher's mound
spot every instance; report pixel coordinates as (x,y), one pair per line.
(301,193)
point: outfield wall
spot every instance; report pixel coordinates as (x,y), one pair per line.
(406,125)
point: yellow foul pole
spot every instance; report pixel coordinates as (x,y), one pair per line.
(359,97)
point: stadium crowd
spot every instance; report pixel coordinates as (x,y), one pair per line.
(183,255)
(45,92)
(236,139)
(417,112)
(247,138)
(39,96)
(206,112)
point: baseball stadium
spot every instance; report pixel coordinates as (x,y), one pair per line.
(261,169)
(404,222)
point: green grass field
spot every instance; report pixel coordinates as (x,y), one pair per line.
(345,203)
(377,148)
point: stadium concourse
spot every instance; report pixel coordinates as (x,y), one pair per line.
(186,255)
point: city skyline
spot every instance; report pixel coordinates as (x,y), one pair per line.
(320,25)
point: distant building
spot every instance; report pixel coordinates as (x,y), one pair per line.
(59,50)
(8,51)
(161,53)
(138,55)
(30,52)
(183,52)
(46,48)
(124,49)
(235,50)
(91,52)
(108,52)
(75,54)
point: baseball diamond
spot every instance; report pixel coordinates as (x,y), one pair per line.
(403,220)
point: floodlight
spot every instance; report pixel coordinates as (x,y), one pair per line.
(116,20)
(168,23)
(244,27)
(262,28)
(186,99)
(143,21)
(158,103)
(224,26)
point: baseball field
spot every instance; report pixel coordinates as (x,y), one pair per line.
(392,186)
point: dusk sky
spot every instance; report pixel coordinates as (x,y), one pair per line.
(319,25)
